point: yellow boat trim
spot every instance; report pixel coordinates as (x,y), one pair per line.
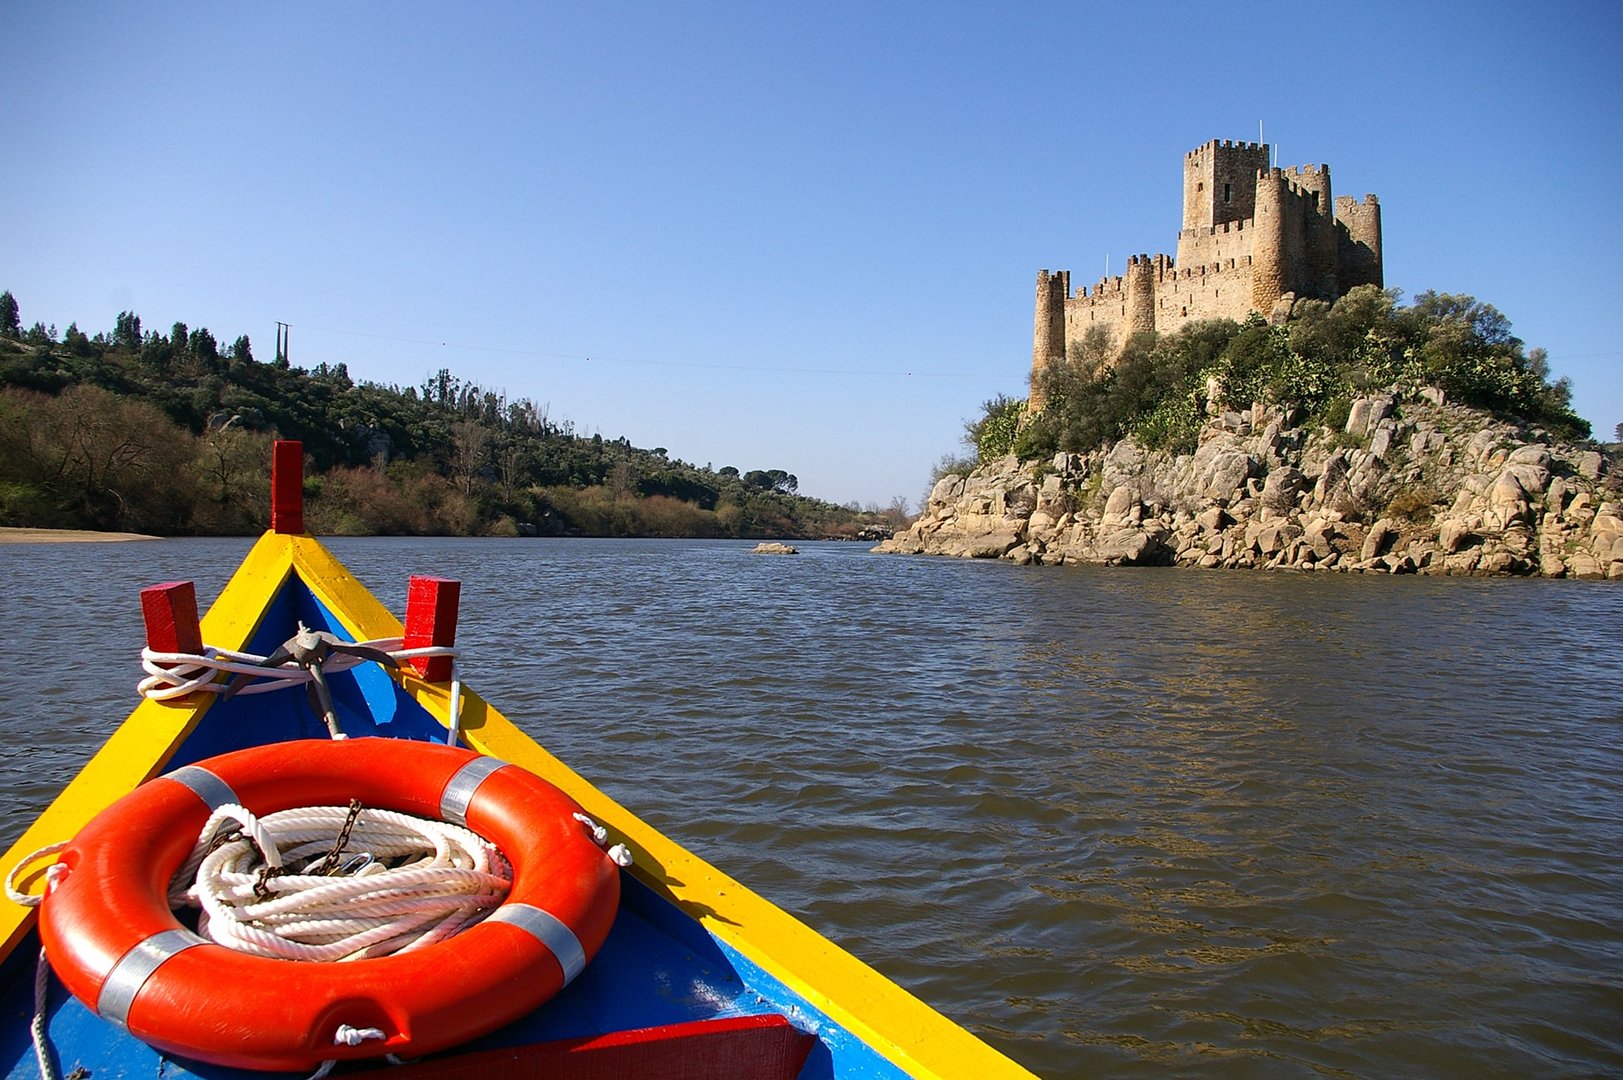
(143,744)
(873,1008)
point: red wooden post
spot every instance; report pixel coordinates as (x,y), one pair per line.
(431,606)
(287,486)
(170,612)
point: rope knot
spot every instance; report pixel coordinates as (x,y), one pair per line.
(353,1036)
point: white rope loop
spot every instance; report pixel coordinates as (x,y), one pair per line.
(52,872)
(176,674)
(401,883)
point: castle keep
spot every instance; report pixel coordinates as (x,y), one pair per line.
(1254,238)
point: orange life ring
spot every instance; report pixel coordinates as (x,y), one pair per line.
(112,939)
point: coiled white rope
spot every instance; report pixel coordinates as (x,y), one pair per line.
(280,886)
(176,674)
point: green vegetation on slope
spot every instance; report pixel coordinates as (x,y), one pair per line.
(170,434)
(1324,357)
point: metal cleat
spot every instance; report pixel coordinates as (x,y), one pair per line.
(309,649)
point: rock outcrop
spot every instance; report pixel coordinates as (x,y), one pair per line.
(1412,484)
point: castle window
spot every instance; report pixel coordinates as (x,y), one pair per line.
(1228,192)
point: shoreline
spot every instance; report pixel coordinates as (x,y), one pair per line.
(67,536)
(1410,485)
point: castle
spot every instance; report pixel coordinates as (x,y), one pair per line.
(1254,238)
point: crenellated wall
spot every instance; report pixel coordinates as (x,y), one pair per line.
(1253,238)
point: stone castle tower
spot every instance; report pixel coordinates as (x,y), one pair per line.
(1254,238)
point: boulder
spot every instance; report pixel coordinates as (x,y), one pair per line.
(1332,480)
(1530,465)
(1358,417)
(1508,498)
(1123,500)
(1223,472)
(1379,538)
(1452,535)
(987,545)
(947,489)
(1127,547)
(1282,486)
(1482,444)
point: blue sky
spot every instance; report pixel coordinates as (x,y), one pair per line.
(770,235)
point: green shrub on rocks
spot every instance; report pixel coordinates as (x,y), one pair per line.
(994,433)
(1161,386)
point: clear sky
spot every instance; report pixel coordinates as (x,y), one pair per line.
(771,235)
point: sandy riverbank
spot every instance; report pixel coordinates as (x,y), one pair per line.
(65,536)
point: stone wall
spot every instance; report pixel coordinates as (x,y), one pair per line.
(1205,292)
(1220,246)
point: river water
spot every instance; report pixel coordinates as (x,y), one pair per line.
(1118,822)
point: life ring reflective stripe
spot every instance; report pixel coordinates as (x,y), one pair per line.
(112,940)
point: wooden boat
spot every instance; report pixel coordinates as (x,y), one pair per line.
(696,977)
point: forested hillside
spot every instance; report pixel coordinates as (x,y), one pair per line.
(170,433)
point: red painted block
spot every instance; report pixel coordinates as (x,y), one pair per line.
(431,607)
(170,612)
(287,486)
(758,1047)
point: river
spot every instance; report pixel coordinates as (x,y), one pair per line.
(1135,822)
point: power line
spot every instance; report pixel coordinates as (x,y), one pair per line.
(761,368)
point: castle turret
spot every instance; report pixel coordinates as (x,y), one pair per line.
(1048,334)
(1359,242)
(1320,248)
(1139,288)
(1268,261)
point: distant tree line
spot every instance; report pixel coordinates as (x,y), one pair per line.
(134,429)
(1156,389)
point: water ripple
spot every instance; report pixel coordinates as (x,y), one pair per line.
(1135,822)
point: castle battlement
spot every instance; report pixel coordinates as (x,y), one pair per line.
(1213,230)
(1224,144)
(1254,238)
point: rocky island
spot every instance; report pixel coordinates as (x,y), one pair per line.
(1260,399)
(1411,484)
